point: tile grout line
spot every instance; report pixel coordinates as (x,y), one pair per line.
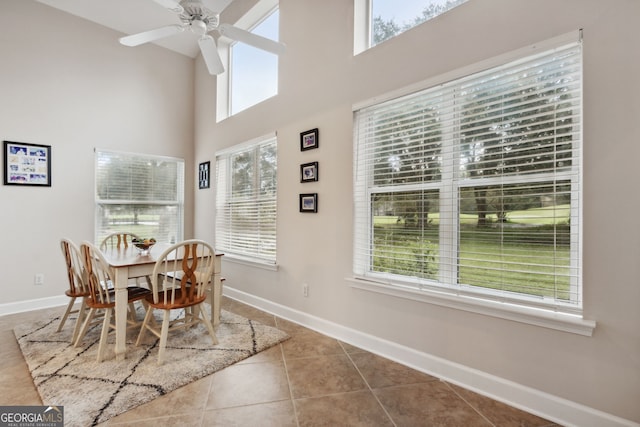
(286,372)
(466,402)
(367,384)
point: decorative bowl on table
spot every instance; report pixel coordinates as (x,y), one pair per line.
(143,245)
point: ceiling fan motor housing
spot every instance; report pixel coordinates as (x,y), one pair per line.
(195,13)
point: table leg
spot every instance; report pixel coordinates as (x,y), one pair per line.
(216,291)
(121,280)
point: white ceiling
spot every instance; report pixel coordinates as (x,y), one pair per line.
(135,16)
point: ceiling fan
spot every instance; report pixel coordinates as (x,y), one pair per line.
(197,18)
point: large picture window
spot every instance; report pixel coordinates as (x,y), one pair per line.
(139,193)
(472,187)
(246,177)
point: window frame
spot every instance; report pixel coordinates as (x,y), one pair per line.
(463,298)
(225,197)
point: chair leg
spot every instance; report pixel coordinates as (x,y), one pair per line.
(82,313)
(163,336)
(145,322)
(207,322)
(66,313)
(85,326)
(104,335)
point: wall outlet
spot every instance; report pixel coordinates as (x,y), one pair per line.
(38,279)
(305,289)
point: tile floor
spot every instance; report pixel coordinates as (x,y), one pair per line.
(309,380)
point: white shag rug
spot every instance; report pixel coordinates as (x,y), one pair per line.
(92,392)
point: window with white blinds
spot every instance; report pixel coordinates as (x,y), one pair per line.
(246,177)
(472,187)
(139,193)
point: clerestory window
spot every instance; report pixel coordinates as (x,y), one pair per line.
(379,20)
(252,73)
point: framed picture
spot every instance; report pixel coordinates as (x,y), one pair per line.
(309,139)
(309,172)
(27,164)
(203,175)
(309,202)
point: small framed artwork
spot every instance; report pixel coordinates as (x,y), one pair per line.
(203,175)
(309,202)
(309,172)
(27,164)
(309,139)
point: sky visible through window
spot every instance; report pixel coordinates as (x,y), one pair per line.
(254,72)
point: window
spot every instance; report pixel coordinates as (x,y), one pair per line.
(472,187)
(254,72)
(246,177)
(139,193)
(379,20)
(251,74)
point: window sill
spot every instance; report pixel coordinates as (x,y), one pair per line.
(236,259)
(539,317)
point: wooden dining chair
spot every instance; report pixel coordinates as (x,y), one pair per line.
(122,240)
(118,240)
(179,282)
(101,298)
(78,287)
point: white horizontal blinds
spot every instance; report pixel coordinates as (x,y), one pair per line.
(399,170)
(139,193)
(519,168)
(474,185)
(246,201)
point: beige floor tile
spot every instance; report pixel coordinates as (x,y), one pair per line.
(248,384)
(323,375)
(274,414)
(190,420)
(356,409)
(428,404)
(273,354)
(308,344)
(182,401)
(380,372)
(498,413)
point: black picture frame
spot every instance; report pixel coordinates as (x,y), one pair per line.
(309,172)
(309,139)
(204,173)
(27,164)
(309,202)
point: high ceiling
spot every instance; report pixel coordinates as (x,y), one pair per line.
(135,16)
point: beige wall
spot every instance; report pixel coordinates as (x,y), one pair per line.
(68,83)
(320,80)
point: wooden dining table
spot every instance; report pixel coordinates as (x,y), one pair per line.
(129,263)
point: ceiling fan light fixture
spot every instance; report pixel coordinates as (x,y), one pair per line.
(199,27)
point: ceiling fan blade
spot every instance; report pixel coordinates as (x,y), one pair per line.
(244,36)
(151,35)
(210,55)
(172,5)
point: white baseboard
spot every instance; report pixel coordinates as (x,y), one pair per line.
(34,304)
(550,407)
